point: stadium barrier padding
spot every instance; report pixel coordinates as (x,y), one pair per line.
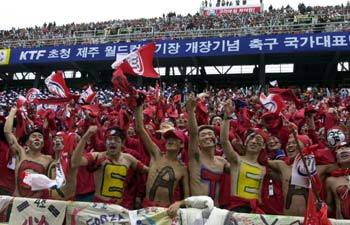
(41,212)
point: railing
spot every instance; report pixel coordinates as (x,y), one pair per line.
(98,37)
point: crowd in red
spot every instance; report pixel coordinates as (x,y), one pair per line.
(320,116)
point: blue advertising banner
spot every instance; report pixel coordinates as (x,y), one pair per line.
(268,44)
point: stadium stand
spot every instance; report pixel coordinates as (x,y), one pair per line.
(173,26)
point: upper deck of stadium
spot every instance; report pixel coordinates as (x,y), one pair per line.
(312,44)
(171,26)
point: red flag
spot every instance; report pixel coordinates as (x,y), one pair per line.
(32,94)
(87,96)
(56,84)
(311,215)
(139,62)
(273,102)
(287,95)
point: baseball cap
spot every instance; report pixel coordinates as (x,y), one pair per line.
(175,133)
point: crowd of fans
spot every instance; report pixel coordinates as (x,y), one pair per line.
(175,23)
(168,132)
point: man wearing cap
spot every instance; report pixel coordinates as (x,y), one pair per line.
(338,185)
(246,172)
(205,168)
(110,167)
(29,159)
(166,172)
(295,197)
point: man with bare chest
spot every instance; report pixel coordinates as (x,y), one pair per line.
(206,169)
(338,185)
(29,159)
(110,167)
(166,172)
(246,172)
(67,192)
(295,197)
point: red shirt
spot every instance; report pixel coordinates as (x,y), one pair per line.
(7,181)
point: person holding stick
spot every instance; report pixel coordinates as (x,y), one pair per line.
(295,197)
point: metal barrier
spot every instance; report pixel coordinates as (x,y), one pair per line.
(101,37)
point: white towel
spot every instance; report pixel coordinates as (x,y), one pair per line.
(217,217)
(200,202)
(191,216)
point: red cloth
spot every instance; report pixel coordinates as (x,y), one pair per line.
(330,121)
(340,172)
(344,197)
(123,120)
(272,204)
(7,180)
(202,115)
(120,82)
(312,217)
(85,181)
(25,190)
(132,143)
(287,95)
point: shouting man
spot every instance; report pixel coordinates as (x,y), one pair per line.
(28,159)
(166,171)
(205,168)
(110,167)
(246,172)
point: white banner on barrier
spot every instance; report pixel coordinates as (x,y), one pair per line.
(48,212)
(26,211)
(81,213)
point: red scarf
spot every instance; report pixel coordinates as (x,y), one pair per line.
(340,172)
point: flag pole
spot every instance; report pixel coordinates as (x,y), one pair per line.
(156,57)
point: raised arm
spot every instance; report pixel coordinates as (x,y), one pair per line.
(151,147)
(325,170)
(276,165)
(192,128)
(185,183)
(10,137)
(77,157)
(137,165)
(230,153)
